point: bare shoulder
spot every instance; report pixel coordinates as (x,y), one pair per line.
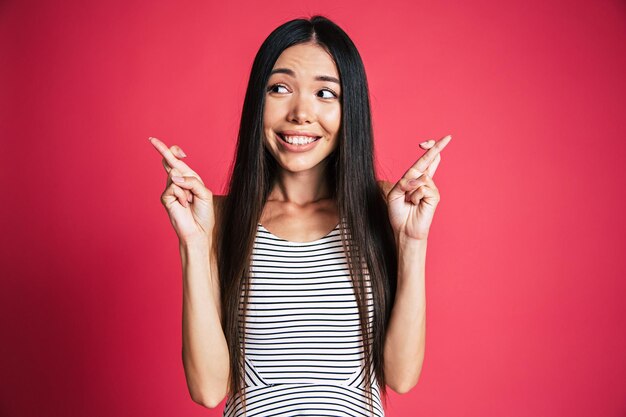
(385,186)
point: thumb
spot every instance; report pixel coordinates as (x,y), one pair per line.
(399,190)
(194,185)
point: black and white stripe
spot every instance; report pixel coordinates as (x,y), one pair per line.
(304,350)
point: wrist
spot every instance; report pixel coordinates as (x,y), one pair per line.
(195,246)
(404,242)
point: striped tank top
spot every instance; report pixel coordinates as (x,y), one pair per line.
(304,351)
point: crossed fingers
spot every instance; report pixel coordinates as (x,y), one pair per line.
(429,161)
(171,162)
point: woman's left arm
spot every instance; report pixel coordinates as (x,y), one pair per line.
(406,332)
(411,204)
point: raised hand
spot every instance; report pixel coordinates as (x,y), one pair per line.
(413,199)
(188,202)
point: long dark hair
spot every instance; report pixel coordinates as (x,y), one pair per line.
(350,171)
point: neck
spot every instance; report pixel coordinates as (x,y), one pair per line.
(301,188)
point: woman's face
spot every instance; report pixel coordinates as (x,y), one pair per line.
(302,106)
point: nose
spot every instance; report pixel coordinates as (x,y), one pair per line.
(302,109)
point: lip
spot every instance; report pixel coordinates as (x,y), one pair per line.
(296,148)
(296,133)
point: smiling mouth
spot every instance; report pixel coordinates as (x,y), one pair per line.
(298,140)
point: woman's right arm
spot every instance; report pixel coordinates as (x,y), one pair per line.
(205,352)
(194,213)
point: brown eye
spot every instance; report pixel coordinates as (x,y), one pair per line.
(327,93)
(276,88)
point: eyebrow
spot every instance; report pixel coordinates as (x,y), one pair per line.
(293,74)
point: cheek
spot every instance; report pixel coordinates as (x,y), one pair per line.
(267,116)
(273,111)
(332,119)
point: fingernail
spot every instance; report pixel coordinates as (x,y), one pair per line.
(183,154)
(178,179)
(424,143)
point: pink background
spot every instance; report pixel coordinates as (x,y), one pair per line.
(526,266)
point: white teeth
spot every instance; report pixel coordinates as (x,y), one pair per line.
(299,140)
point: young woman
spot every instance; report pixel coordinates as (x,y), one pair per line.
(308,256)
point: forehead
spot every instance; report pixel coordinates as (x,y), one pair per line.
(307,59)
